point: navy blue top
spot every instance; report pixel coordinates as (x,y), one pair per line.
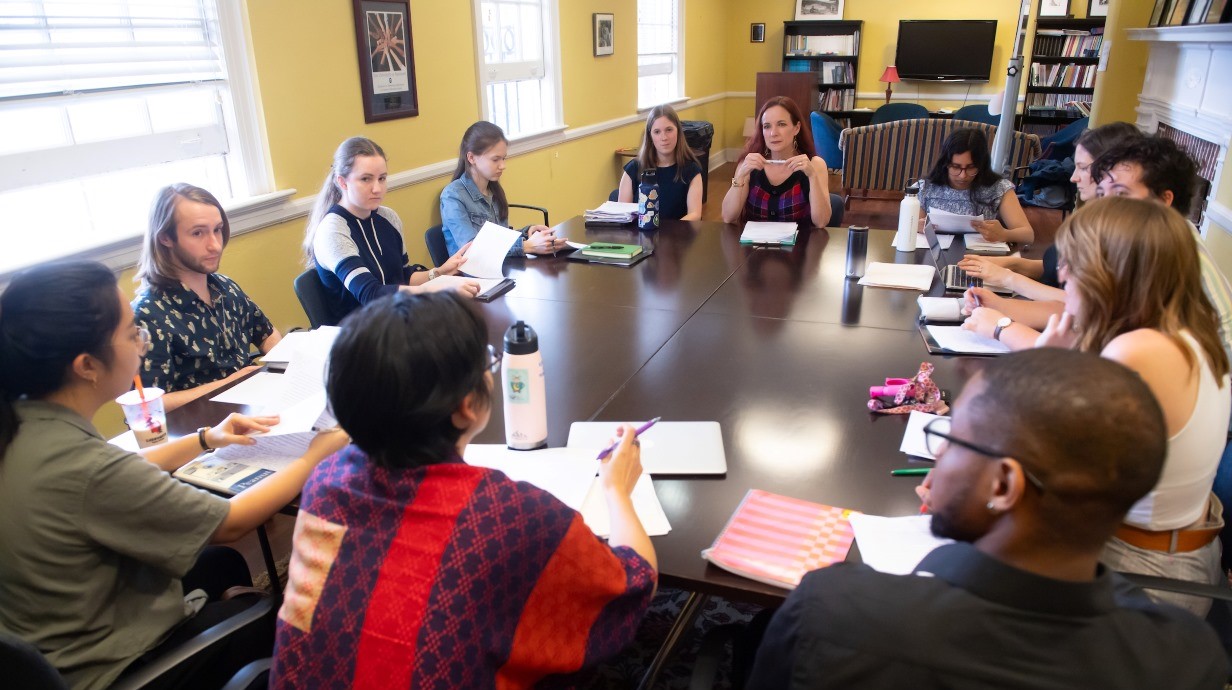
(359,260)
(673,193)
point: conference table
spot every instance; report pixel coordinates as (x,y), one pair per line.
(775,344)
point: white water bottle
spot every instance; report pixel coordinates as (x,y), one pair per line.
(526,408)
(908,220)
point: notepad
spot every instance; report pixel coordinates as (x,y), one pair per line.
(645,504)
(764,232)
(978,245)
(904,276)
(566,473)
(955,339)
(776,539)
(940,308)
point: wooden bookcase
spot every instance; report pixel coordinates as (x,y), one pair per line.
(830,52)
(1073,71)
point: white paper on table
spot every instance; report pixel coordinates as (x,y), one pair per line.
(566,473)
(485,284)
(941,308)
(488,250)
(126,440)
(260,390)
(768,232)
(615,207)
(914,442)
(944,241)
(315,343)
(977,243)
(894,545)
(645,504)
(576,245)
(944,221)
(955,339)
(906,276)
(269,452)
(302,406)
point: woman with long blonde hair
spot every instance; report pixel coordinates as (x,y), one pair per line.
(1134,295)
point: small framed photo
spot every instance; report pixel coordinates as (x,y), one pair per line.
(603,34)
(1197,12)
(386,59)
(1098,8)
(1054,8)
(819,9)
(757,33)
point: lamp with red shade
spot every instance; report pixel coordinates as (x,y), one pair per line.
(890,77)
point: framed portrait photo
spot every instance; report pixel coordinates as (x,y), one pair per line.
(1098,8)
(386,59)
(819,9)
(1054,8)
(603,33)
(757,33)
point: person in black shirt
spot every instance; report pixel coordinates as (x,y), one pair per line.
(1020,600)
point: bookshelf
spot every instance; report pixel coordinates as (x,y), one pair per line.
(830,50)
(1062,71)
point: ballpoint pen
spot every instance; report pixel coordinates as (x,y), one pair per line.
(911,472)
(636,432)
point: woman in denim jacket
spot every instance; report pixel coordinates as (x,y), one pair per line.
(475,196)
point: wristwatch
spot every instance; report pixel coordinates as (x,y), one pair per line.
(1002,324)
(736,182)
(432,274)
(201,439)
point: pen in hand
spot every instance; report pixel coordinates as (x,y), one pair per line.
(636,432)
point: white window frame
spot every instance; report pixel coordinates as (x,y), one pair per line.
(549,72)
(679,96)
(254,198)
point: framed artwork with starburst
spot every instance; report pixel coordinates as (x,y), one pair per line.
(386,59)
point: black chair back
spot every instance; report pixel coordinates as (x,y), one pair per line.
(311,293)
(25,667)
(437,249)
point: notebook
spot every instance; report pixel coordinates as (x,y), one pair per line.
(775,539)
(953,340)
(765,232)
(667,447)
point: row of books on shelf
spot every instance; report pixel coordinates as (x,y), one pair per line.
(827,72)
(822,45)
(1068,43)
(1040,101)
(1061,75)
(837,99)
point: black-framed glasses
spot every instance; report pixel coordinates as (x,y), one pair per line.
(494,359)
(963,169)
(937,438)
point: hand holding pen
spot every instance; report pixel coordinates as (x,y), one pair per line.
(620,471)
(636,432)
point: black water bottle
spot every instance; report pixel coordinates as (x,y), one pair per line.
(648,201)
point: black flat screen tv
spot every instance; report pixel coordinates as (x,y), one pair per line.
(945,50)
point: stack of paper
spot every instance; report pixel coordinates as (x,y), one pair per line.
(956,223)
(979,245)
(906,276)
(761,232)
(612,212)
(940,308)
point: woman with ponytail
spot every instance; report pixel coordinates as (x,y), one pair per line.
(356,244)
(99,546)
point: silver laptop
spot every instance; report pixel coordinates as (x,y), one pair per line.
(667,447)
(954,278)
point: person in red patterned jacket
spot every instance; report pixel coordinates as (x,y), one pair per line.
(413,569)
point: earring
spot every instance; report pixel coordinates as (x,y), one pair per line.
(991,507)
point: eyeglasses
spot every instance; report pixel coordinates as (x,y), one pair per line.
(494,359)
(963,169)
(143,337)
(937,439)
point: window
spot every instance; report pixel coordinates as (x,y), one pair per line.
(518,65)
(113,100)
(659,72)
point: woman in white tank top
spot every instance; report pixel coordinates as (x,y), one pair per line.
(1133,293)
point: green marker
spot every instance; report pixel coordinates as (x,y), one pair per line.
(910,472)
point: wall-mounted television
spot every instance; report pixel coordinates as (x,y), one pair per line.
(945,50)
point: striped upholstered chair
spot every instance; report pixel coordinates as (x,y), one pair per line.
(889,156)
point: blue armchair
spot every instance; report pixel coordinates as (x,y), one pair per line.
(825,138)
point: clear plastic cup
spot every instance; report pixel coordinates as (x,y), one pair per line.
(146,418)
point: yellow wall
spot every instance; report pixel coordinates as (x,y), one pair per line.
(1117,89)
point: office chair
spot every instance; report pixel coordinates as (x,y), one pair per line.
(254,676)
(25,667)
(434,237)
(977,112)
(311,293)
(899,111)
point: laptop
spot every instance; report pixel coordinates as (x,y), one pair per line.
(690,448)
(954,278)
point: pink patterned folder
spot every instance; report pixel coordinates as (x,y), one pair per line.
(776,540)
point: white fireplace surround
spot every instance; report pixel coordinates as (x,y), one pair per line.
(1187,87)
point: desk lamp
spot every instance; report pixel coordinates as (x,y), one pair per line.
(890,77)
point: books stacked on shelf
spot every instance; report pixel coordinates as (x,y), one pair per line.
(843,44)
(837,99)
(797,65)
(837,73)
(1068,42)
(1052,101)
(1063,75)
(1083,107)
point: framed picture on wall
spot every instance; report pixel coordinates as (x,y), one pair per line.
(757,33)
(1098,8)
(819,9)
(603,33)
(1054,8)
(386,60)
